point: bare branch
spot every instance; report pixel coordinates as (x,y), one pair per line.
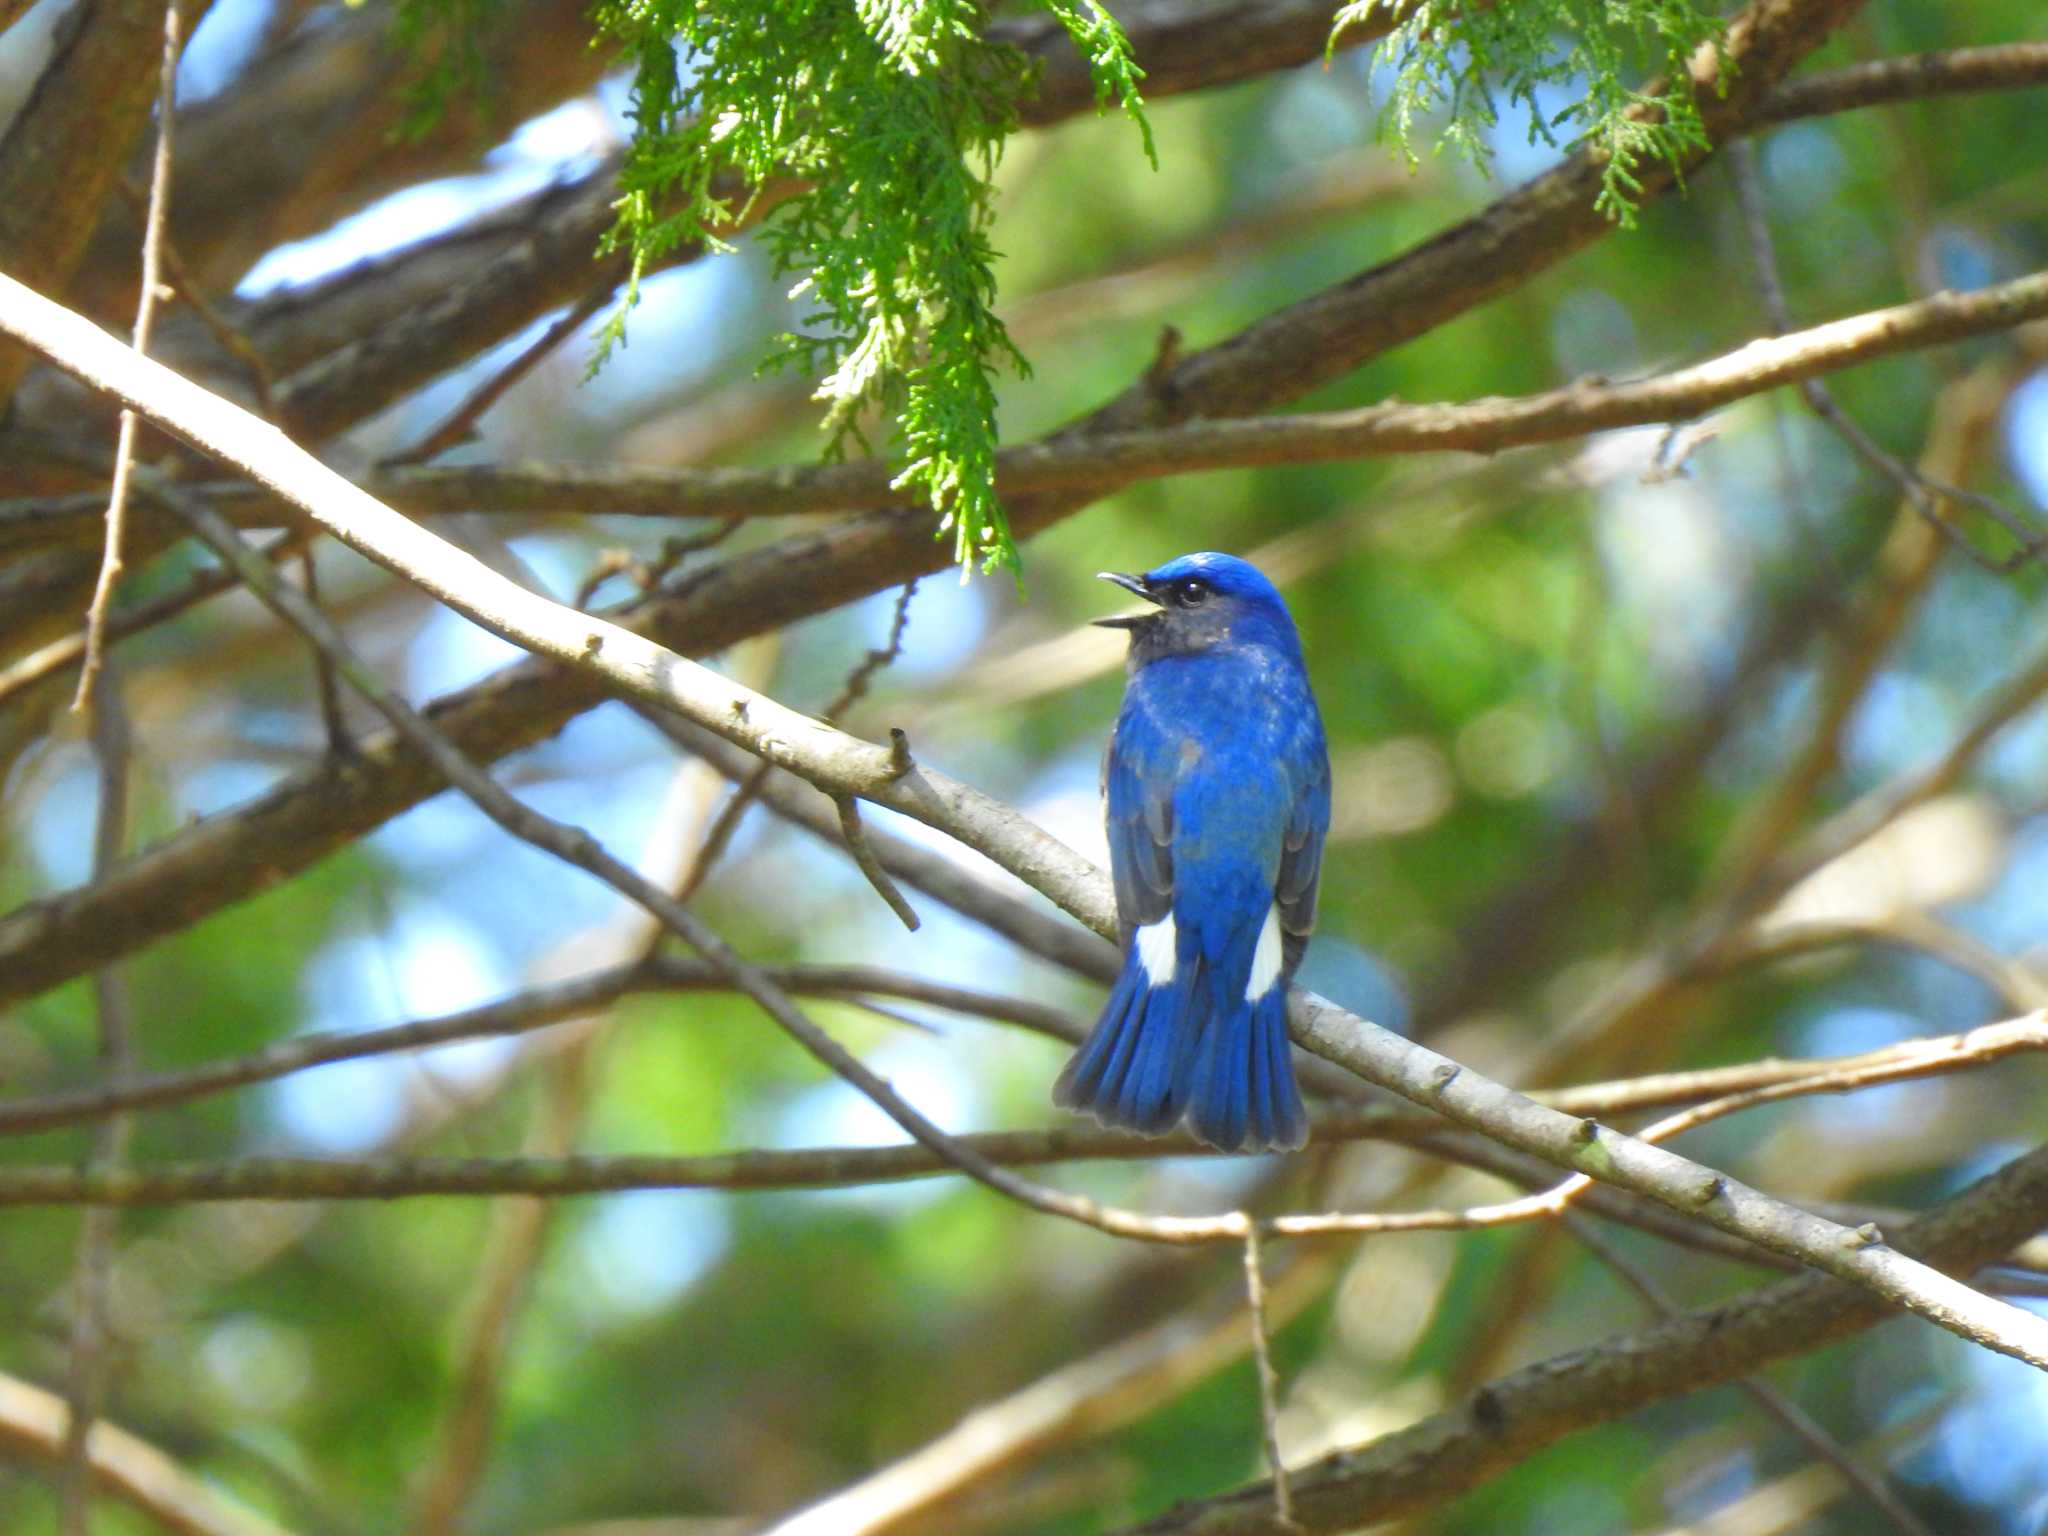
(33,1425)
(112,746)
(1913,77)
(1100,462)
(1801,1425)
(62,156)
(1505,1422)
(145,317)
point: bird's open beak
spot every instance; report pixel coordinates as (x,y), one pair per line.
(1134,584)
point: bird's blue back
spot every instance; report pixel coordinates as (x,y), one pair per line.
(1218,789)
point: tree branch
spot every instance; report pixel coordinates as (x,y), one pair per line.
(33,1427)
(1100,462)
(63,154)
(1512,1418)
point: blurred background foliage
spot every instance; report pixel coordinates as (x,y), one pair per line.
(1558,682)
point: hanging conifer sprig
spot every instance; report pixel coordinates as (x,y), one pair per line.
(892,113)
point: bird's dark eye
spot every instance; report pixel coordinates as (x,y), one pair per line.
(1190,593)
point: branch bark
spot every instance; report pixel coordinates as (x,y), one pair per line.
(1512,1418)
(64,152)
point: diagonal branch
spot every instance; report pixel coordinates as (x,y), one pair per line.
(224,859)
(33,1427)
(1512,1418)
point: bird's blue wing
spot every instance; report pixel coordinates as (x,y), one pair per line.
(1140,822)
(1301,860)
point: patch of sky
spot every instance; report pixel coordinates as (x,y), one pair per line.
(947,621)
(2013,915)
(1315,114)
(556,563)
(1802,166)
(636,1253)
(60,831)
(1965,631)
(1992,1447)
(1677,575)
(1591,332)
(1898,1109)
(221,47)
(1520,149)
(1759,741)
(1961,259)
(928,1073)
(676,338)
(524,900)
(1903,721)
(538,152)
(2026,437)
(421,963)
(209,788)
(1357,979)
(449,653)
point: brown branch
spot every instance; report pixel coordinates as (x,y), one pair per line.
(113,748)
(1512,1418)
(145,318)
(1097,463)
(1874,1487)
(307,134)
(1913,77)
(33,1426)
(62,156)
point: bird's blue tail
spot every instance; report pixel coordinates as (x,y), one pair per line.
(1159,1054)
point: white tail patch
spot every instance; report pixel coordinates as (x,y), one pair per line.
(1157,944)
(1266,958)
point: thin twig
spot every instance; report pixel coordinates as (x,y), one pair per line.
(339,743)
(1269,1379)
(1953,1051)
(865,861)
(1926,492)
(229,337)
(145,317)
(719,838)
(1873,1486)
(54,658)
(91,1341)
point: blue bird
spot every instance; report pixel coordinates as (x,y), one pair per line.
(1218,783)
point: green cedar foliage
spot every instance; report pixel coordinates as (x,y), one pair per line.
(1460,59)
(892,114)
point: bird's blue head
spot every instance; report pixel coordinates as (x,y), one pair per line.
(1201,601)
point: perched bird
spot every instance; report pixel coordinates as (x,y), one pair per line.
(1218,783)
